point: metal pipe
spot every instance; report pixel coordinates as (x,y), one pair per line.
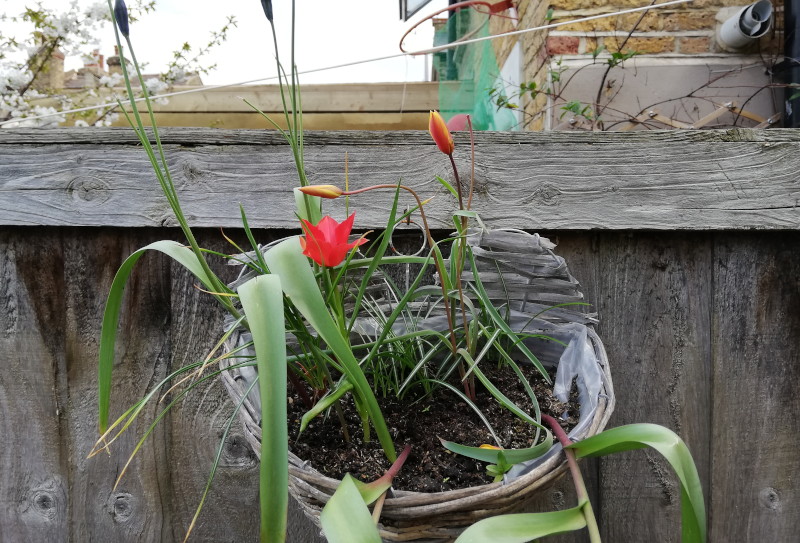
(748,25)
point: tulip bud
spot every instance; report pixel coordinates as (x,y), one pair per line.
(121,16)
(323,191)
(440,134)
(267,5)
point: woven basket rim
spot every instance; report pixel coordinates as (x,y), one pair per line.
(410,504)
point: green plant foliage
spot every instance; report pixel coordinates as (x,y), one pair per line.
(674,450)
(325,403)
(512,456)
(299,284)
(501,460)
(346,519)
(262,301)
(108,334)
(523,527)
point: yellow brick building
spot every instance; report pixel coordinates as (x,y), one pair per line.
(679,72)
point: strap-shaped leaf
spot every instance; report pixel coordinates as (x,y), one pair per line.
(108,336)
(346,519)
(262,301)
(297,278)
(523,527)
(512,456)
(324,404)
(674,450)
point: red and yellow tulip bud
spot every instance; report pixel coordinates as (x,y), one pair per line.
(492,447)
(323,191)
(440,134)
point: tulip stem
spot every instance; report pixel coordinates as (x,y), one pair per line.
(577,478)
(458,183)
(472,151)
(469,385)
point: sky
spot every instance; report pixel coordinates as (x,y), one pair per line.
(329,32)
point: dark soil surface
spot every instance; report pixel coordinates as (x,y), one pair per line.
(420,422)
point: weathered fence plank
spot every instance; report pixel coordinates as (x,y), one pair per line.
(34,485)
(653,299)
(756,429)
(581,181)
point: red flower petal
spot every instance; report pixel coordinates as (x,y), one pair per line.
(326,243)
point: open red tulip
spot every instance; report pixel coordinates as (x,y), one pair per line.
(326,243)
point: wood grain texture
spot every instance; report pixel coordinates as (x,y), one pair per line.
(135,510)
(755,489)
(701,326)
(654,299)
(736,179)
(34,483)
(581,254)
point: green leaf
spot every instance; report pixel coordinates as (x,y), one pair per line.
(512,456)
(674,450)
(324,404)
(523,527)
(297,278)
(262,301)
(447,185)
(386,237)
(346,519)
(501,323)
(504,400)
(108,335)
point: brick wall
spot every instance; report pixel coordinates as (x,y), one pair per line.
(535,58)
(686,31)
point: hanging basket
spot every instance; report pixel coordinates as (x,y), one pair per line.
(518,269)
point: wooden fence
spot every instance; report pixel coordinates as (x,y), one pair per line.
(686,242)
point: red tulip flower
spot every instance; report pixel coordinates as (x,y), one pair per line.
(326,243)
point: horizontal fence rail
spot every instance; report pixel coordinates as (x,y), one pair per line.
(686,243)
(710,180)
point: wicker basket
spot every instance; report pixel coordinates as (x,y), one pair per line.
(515,268)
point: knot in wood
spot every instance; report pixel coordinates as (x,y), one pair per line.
(45,504)
(88,190)
(557,499)
(238,452)
(547,194)
(44,501)
(191,171)
(120,506)
(770,499)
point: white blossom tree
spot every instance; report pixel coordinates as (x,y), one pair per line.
(34,43)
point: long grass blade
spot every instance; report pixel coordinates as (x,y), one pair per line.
(217,458)
(494,391)
(500,322)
